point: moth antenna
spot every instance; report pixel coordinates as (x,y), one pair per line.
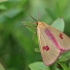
(34,35)
(33,17)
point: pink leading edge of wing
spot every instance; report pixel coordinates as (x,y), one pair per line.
(52,38)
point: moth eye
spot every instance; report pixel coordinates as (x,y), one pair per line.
(61,36)
(45,48)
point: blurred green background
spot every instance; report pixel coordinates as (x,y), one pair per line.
(17,49)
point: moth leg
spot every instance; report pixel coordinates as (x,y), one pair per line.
(34,35)
(31,26)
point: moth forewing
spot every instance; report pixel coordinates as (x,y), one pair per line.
(48,50)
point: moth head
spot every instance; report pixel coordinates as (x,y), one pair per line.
(39,24)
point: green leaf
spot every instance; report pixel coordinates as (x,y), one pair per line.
(57,69)
(12,69)
(12,12)
(62,4)
(3,0)
(37,49)
(38,66)
(1,67)
(3,7)
(60,7)
(65,56)
(51,13)
(58,24)
(64,66)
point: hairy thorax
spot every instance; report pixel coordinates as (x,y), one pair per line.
(42,25)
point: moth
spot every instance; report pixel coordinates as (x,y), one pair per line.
(52,42)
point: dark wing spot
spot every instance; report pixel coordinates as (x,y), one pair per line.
(61,36)
(45,48)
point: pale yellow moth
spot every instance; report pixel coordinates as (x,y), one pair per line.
(52,42)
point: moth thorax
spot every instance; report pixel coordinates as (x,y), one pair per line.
(41,25)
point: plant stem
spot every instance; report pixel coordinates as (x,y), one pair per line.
(63,66)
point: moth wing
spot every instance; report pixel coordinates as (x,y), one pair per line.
(49,56)
(62,39)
